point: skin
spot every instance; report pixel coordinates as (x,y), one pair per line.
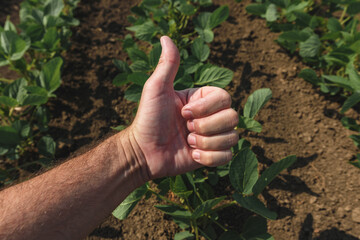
(173,132)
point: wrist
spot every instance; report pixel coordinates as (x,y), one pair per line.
(133,157)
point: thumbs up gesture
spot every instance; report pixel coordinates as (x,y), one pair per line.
(179,131)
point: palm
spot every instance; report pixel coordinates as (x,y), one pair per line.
(163,132)
(161,128)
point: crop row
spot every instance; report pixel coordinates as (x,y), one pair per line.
(325,35)
(32,51)
(190,198)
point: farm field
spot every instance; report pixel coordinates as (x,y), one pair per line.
(316,198)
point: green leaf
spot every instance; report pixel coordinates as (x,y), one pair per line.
(334,25)
(119,128)
(128,42)
(206,34)
(242,143)
(50,76)
(51,39)
(47,147)
(294,36)
(43,117)
(9,136)
(178,187)
(215,76)
(253,227)
(218,16)
(354,8)
(155,55)
(271,172)
(340,81)
(16,90)
(122,66)
(133,93)
(120,79)
(243,171)
(350,102)
(13,45)
(206,206)
(350,124)
(145,31)
(249,124)
(34,100)
(151,3)
(356,140)
(8,101)
(184,236)
(202,21)
(140,66)
(354,77)
(256,101)
(255,205)
(37,90)
(202,26)
(310,76)
(230,235)
(53,8)
(139,78)
(136,55)
(124,209)
(192,64)
(22,127)
(310,47)
(200,50)
(174,211)
(271,14)
(9,26)
(256,9)
(356,162)
(186,9)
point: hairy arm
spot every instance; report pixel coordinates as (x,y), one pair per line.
(70,200)
(173,132)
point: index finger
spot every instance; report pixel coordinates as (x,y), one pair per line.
(204,103)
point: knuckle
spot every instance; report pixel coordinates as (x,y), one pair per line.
(203,142)
(233,117)
(225,98)
(202,106)
(233,139)
(228,156)
(200,126)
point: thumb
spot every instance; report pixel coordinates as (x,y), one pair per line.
(168,65)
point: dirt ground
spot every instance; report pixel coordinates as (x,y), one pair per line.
(318,198)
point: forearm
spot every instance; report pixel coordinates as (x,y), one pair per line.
(68,201)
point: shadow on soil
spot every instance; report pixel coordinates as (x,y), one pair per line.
(106,232)
(307,231)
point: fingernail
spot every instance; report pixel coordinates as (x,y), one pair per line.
(187,113)
(196,156)
(163,42)
(192,140)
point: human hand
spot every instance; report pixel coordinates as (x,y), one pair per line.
(179,131)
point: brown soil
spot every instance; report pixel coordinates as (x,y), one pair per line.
(318,198)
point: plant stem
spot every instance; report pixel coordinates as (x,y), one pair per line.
(219,224)
(6,80)
(224,206)
(343,14)
(166,199)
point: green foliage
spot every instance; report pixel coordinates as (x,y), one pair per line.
(191,201)
(171,18)
(32,50)
(326,40)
